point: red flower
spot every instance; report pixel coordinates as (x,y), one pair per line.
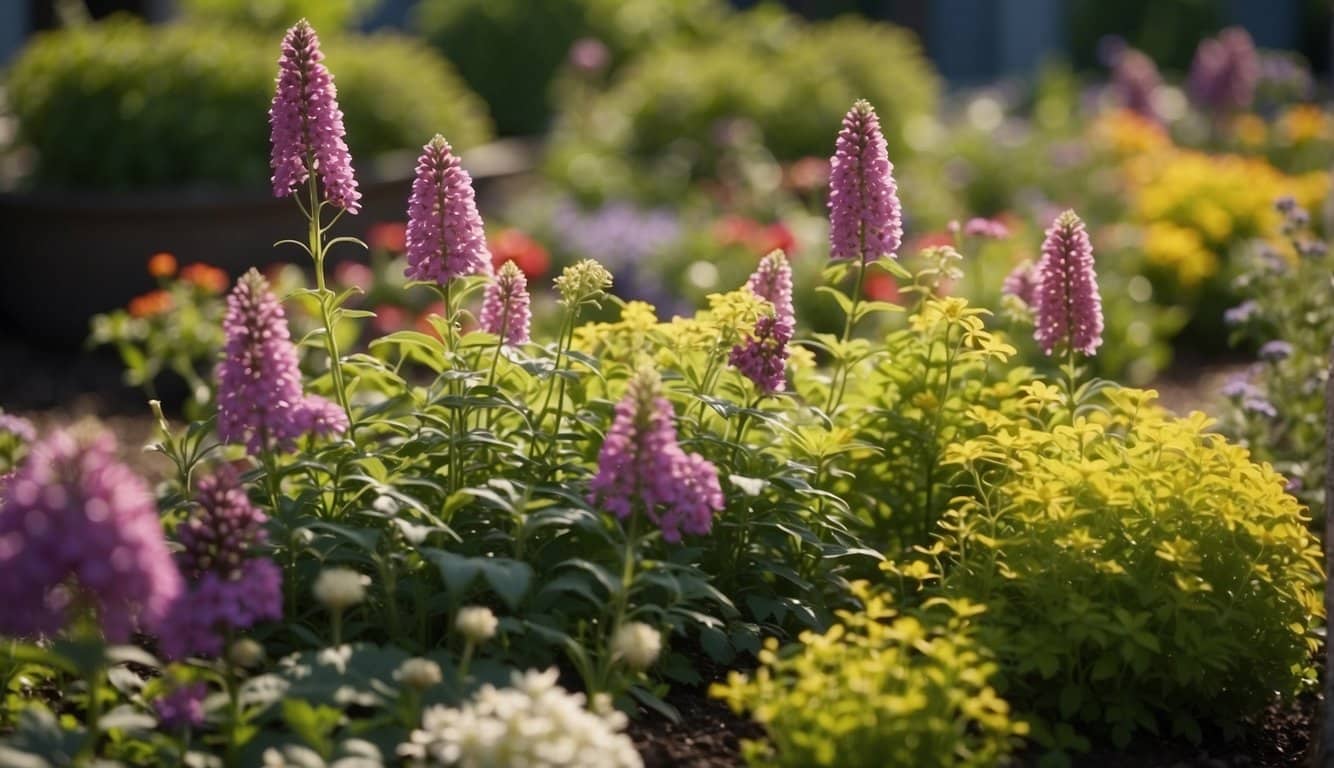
(150,304)
(528,254)
(755,237)
(776,236)
(880,287)
(389,318)
(391,236)
(206,277)
(162,265)
(807,174)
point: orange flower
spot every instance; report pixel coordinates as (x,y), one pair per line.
(526,253)
(391,236)
(206,277)
(150,304)
(161,265)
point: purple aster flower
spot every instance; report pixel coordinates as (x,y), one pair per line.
(1259,405)
(1238,385)
(445,235)
(259,381)
(1241,314)
(505,310)
(642,467)
(762,358)
(1224,72)
(319,416)
(772,281)
(1294,485)
(865,219)
(1134,79)
(223,529)
(78,527)
(1276,350)
(986,228)
(1068,308)
(183,707)
(231,590)
(1022,283)
(307,125)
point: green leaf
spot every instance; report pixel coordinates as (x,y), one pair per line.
(1072,696)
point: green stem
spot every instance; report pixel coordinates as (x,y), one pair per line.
(88,750)
(337,615)
(466,661)
(566,330)
(839,384)
(317,252)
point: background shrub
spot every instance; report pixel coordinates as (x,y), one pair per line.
(788,80)
(122,105)
(1137,570)
(511,50)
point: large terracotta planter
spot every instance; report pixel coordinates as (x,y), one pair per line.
(70,255)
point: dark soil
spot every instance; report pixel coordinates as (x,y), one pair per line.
(709,735)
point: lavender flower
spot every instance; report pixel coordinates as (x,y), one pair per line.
(1276,350)
(445,235)
(865,219)
(1241,314)
(1022,283)
(772,281)
(1224,72)
(625,239)
(1135,78)
(306,124)
(232,590)
(259,382)
(1068,308)
(17,427)
(183,707)
(990,229)
(78,525)
(762,358)
(641,466)
(505,308)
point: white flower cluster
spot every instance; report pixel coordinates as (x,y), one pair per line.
(534,723)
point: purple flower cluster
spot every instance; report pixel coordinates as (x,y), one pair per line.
(17,427)
(1275,351)
(1225,71)
(772,281)
(1068,308)
(306,124)
(1251,398)
(505,308)
(78,527)
(1022,283)
(260,402)
(1241,314)
(183,707)
(624,239)
(641,466)
(231,590)
(1135,78)
(987,229)
(865,219)
(445,235)
(762,358)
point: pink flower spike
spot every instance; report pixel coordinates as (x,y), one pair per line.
(445,235)
(1069,309)
(865,218)
(306,125)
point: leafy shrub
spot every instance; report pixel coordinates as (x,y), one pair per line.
(1137,569)
(881,687)
(274,16)
(1277,407)
(791,80)
(122,105)
(509,51)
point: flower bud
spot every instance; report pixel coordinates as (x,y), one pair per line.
(418,674)
(245,653)
(637,644)
(340,588)
(476,623)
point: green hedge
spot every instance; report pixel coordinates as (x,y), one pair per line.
(122,105)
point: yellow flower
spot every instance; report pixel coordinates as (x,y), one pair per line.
(1302,123)
(1180,250)
(1127,134)
(1249,130)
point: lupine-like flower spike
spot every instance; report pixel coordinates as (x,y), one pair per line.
(306,124)
(77,525)
(1069,309)
(259,382)
(1022,283)
(641,466)
(231,589)
(445,235)
(762,358)
(1135,79)
(1225,71)
(772,281)
(865,218)
(505,308)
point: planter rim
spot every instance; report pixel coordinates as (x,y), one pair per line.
(506,157)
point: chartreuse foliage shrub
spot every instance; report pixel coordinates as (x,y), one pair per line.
(182,105)
(790,80)
(881,687)
(510,51)
(1140,573)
